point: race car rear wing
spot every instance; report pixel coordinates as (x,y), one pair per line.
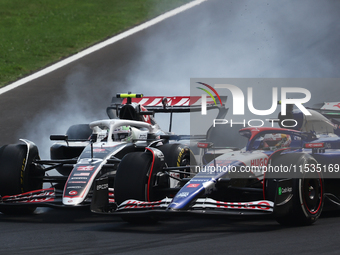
(328,109)
(153,104)
(136,107)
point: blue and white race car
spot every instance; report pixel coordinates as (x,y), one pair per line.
(290,174)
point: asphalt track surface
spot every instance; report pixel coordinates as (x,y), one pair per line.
(65,232)
(91,81)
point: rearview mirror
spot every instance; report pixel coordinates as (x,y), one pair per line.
(58,137)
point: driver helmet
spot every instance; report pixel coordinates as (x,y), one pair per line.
(121,133)
(129,134)
(276,140)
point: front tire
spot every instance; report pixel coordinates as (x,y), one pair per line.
(135,179)
(17,175)
(308,191)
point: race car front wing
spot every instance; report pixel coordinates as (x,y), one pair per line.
(201,205)
(102,202)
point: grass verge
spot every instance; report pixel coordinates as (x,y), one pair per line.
(36,33)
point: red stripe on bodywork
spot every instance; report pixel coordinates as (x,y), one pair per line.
(150,174)
(29,193)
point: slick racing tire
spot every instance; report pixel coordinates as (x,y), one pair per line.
(133,181)
(63,151)
(178,155)
(307,190)
(79,131)
(15,178)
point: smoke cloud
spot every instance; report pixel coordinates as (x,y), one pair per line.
(218,39)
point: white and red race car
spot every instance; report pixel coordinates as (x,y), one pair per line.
(88,152)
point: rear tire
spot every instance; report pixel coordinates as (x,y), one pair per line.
(308,191)
(65,151)
(15,178)
(79,131)
(131,182)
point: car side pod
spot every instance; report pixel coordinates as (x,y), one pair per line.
(100,196)
(283,196)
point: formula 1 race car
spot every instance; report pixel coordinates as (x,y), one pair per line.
(290,174)
(88,152)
